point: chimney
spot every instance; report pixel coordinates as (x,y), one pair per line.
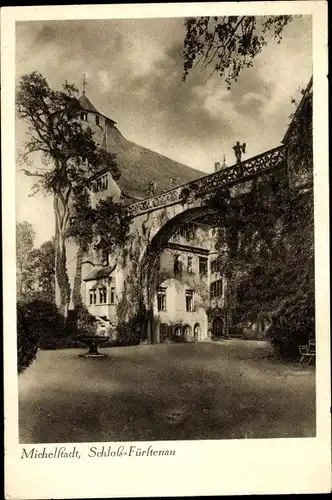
(216,166)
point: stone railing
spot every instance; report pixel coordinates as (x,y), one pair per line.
(246,170)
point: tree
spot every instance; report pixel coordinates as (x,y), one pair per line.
(228,44)
(104,227)
(42,262)
(69,157)
(25,236)
(268,255)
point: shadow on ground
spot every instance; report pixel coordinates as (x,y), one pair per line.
(226,390)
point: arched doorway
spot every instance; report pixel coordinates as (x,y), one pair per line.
(163,333)
(197,332)
(218,327)
(149,265)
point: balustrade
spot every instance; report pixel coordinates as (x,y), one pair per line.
(242,172)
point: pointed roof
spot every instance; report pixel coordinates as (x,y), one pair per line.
(140,166)
(87,104)
(99,273)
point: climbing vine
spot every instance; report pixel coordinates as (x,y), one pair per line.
(266,244)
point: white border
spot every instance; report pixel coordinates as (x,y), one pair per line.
(199,467)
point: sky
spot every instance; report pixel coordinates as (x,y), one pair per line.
(134,71)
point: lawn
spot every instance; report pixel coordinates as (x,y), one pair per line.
(223,390)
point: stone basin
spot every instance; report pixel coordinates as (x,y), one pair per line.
(93,341)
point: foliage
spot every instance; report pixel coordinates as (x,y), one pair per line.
(39,325)
(42,262)
(69,153)
(269,261)
(229,44)
(27,337)
(85,322)
(24,271)
(299,140)
(268,255)
(134,330)
(106,225)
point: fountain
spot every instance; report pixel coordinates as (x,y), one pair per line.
(94,331)
(93,341)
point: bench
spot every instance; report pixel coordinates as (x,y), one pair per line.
(308,352)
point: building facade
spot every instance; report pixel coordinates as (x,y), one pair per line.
(187,284)
(169,263)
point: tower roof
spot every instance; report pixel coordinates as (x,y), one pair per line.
(87,104)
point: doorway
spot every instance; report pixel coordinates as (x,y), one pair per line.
(218,327)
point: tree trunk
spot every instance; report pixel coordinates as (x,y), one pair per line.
(77,295)
(62,286)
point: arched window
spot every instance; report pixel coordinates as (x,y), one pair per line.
(186,330)
(178,331)
(197,331)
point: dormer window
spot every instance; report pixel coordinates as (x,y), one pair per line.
(84,116)
(97,120)
(105,257)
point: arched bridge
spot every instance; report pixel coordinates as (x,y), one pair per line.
(156,219)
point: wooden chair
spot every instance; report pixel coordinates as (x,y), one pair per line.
(308,352)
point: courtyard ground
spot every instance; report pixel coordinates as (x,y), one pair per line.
(223,390)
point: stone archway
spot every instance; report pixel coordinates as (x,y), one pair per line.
(148,273)
(197,332)
(159,242)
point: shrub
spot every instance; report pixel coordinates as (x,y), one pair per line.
(85,322)
(28,337)
(286,339)
(39,324)
(128,333)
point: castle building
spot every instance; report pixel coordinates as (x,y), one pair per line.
(188,283)
(172,234)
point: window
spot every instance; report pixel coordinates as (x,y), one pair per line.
(176,236)
(186,330)
(189,300)
(97,119)
(93,297)
(177,265)
(203,265)
(214,267)
(190,265)
(84,116)
(103,295)
(161,299)
(216,289)
(101,184)
(105,257)
(178,331)
(188,231)
(112,296)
